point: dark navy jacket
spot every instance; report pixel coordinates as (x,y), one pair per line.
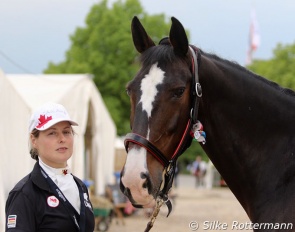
(27,208)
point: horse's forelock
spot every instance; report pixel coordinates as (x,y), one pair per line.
(162,54)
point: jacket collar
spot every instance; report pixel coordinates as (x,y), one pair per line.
(38,178)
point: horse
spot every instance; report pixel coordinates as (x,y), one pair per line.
(248,120)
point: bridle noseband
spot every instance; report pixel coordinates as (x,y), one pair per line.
(143,142)
(170,165)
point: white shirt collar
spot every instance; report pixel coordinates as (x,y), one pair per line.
(54,171)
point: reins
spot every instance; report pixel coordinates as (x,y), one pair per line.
(185,142)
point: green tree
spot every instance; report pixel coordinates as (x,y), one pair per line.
(104,48)
(280,68)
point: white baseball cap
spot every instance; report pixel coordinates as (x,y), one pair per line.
(47,115)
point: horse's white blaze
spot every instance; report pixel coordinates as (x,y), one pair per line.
(149,88)
(136,159)
(135,165)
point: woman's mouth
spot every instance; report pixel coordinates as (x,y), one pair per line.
(62,149)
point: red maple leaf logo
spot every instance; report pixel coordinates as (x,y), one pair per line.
(53,200)
(43,120)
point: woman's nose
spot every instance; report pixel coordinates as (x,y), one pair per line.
(61,138)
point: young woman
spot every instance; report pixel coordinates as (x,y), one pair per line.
(50,198)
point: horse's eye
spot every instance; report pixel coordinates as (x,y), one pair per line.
(178,92)
(128,92)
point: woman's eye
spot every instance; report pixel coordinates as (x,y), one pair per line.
(67,132)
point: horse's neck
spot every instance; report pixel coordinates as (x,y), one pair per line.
(246,139)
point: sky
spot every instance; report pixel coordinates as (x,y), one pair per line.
(36,32)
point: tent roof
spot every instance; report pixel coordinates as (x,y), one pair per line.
(45,86)
(94,145)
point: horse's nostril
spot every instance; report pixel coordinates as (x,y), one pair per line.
(145,184)
(143,175)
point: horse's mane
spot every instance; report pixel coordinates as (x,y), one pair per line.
(165,54)
(236,66)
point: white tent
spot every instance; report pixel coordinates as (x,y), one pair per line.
(95,137)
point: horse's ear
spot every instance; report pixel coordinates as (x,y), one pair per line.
(141,39)
(178,37)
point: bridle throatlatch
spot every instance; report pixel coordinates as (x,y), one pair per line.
(194,129)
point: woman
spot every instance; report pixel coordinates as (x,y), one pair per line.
(50,198)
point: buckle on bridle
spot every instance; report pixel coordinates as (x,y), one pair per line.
(198,89)
(166,185)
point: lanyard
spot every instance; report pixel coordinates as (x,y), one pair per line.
(58,193)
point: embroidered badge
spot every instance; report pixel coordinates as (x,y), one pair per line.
(43,120)
(52,201)
(11,221)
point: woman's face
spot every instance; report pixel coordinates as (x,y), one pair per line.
(55,145)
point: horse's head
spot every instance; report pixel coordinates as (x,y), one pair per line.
(160,96)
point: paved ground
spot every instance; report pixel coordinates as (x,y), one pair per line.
(213,210)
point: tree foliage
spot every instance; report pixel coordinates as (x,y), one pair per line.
(104,48)
(280,68)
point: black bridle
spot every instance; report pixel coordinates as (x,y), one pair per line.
(185,142)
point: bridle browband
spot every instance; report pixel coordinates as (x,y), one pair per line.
(185,142)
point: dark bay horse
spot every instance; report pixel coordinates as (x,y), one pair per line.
(249,123)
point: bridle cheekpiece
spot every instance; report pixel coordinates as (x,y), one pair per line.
(185,142)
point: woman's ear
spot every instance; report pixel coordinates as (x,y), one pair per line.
(33,140)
